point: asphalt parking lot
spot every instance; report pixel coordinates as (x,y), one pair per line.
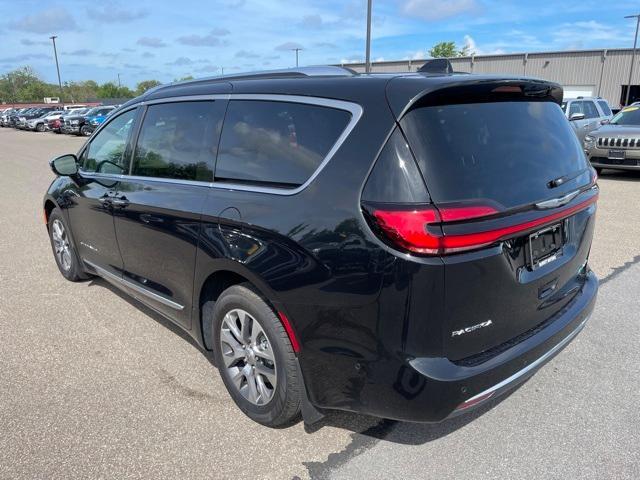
(93,385)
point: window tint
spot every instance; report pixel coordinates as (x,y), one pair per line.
(276,142)
(179,140)
(604,106)
(105,153)
(504,153)
(575,107)
(590,110)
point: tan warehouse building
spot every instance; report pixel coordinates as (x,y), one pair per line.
(602,73)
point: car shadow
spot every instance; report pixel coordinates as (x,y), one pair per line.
(165,322)
(620,175)
(406,433)
(366,429)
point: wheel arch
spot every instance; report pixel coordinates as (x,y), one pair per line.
(48,207)
(216,282)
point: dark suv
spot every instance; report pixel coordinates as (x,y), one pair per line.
(406,246)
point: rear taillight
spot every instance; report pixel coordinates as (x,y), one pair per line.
(420,230)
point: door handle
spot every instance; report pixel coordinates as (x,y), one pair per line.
(120,202)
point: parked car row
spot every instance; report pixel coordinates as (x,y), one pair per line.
(76,121)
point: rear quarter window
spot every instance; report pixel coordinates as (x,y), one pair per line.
(277,143)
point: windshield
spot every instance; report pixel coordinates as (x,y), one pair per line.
(627,116)
(503,153)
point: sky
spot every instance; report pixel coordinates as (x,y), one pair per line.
(161,40)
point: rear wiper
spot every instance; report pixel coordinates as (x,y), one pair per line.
(564,179)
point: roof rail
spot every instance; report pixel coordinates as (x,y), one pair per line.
(311,71)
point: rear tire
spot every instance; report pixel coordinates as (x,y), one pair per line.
(264,385)
(64,252)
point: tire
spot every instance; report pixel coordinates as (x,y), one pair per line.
(40,127)
(68,261)
(85,131)
(280,405)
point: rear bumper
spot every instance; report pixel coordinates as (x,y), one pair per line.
(433,389)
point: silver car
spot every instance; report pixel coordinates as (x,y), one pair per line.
(586,114)
(617,144)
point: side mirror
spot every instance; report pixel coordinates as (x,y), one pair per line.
(576,116)
(65,166)
(605,121)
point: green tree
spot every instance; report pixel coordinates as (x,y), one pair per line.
(145,85)
(83,91)
(111,90)
(448,50)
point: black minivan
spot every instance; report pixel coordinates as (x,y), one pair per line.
(403,245)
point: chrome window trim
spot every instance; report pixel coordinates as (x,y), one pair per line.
(107,275)
(353,108)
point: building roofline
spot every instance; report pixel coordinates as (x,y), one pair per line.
(494,55)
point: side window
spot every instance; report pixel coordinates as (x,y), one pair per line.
(105,153)
(179,140)
(575,107)
(590,110)
(276,143)
(604,106)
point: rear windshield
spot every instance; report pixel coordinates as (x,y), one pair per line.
(503,152)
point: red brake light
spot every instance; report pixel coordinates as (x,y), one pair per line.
(408,228)
(420,230)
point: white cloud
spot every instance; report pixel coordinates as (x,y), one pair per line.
(153,42)
(47,21)
(210,40)
(288,46)
(115,14)
(437,9)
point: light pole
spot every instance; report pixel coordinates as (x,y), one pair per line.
(367,61)
(55,54)
(296,50)
(633,56)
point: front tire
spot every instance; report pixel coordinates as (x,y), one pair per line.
(255,357)
(40,127)
(63,251)
(85,131)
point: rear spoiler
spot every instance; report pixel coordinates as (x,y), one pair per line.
(408,92)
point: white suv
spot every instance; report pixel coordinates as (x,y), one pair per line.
(586,114)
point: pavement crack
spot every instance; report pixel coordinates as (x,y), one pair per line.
(360,443)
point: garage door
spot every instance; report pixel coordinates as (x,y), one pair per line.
(575,91)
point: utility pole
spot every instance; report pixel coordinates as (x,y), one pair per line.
(633,56)
(367,61)
(119,85)
(296,50)
(55,54)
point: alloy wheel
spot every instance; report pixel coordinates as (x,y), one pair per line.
(248,357)
(61,244)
